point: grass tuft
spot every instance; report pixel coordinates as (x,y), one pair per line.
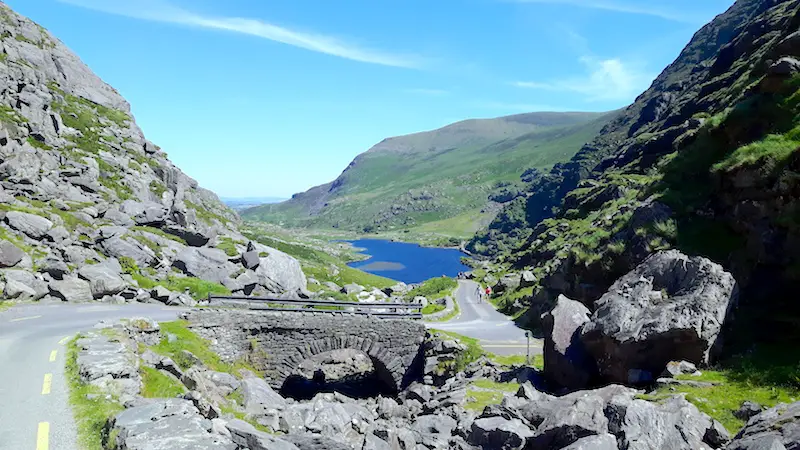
(156,384)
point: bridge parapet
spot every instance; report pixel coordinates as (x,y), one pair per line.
(277,342)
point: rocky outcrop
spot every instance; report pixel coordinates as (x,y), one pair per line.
(670,308)
(81,185)
(777,428)
(567,363)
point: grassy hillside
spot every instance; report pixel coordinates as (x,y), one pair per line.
(437,181)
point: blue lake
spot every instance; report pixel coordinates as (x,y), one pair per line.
(408,263)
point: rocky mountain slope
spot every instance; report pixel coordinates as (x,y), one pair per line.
(90,209)
(704,161)
(439,180)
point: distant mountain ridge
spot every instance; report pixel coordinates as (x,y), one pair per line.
(438,180)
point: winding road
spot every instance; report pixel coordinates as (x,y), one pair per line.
(34,406)
(35,412)
(480,320)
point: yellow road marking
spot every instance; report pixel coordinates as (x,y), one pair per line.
(18,319)
(48,383)
(63,340)
(43,436)
(53,355)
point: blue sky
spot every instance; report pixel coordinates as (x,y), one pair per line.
(271,97)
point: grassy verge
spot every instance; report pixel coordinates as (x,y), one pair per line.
(4,305)
(537,361)
(90,414)
(486,392)
(433,308)
(434,288)
(765,376)
(158,385)
(455,312)
(189,341)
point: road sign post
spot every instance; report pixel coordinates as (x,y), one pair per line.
(528,355)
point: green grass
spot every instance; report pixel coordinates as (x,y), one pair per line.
(770,151)
(38,144)
(157,188)
(90,415)
(228,246)
(454,313)
(472,353)
(147,243)
(766,375)
(5,305)
(205,214)
(494,385)
(433,289)
(198,289)
(158,385)
(432,308)
(188,340)
(486,392)
(537,361)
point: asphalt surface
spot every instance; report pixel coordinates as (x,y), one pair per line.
(480,320)
(35,412)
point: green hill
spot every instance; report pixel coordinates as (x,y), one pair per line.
(438,181)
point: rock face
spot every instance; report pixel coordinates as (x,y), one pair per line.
(566,361)
(777,428)
(80,185)
(670,308)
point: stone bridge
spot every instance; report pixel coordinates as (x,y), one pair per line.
(277,342)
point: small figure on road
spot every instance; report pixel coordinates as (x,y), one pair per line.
(488,291)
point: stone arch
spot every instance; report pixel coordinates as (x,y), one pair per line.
(388,365)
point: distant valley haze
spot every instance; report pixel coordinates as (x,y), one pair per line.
(250,97)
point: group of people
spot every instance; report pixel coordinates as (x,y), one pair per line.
(483,293)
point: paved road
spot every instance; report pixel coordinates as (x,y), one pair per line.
(479,319)
(34,407)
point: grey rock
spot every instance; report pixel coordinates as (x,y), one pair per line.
(206,263)
(15,290)
(313,442)
(747,410)
(161,294)
(166,424)
(103,279)
(32,225)
(352,288)
(499,433)
(10,254)
(785,66)
(527,279)
(670,308)
(71,290)
(55,267)
(259,396)
(419,392)
(246,436)
(250,260)
(566,361)
(599,442)
(144,213)
(675,368)
(775,428)
(119,247)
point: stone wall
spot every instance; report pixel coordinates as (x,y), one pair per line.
(277,342)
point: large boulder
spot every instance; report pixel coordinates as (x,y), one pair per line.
(119,247)
(259,396)
(32,225)
(279,272)
(671,307)
(500,433)
(10,254)
(566,361)
(165,424)
(777,428)
(207,263)
(559,422)
(144,213)
(72,290)
(104,279)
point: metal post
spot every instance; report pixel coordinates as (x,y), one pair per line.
(528,355)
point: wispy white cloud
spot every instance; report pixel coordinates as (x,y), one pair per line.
(160,11)
(424,91)
(629,7)
(605,80)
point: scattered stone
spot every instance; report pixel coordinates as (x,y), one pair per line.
(10,254)
(72,290)
(777,428)
(32,225)
(675,368)
(747,410)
